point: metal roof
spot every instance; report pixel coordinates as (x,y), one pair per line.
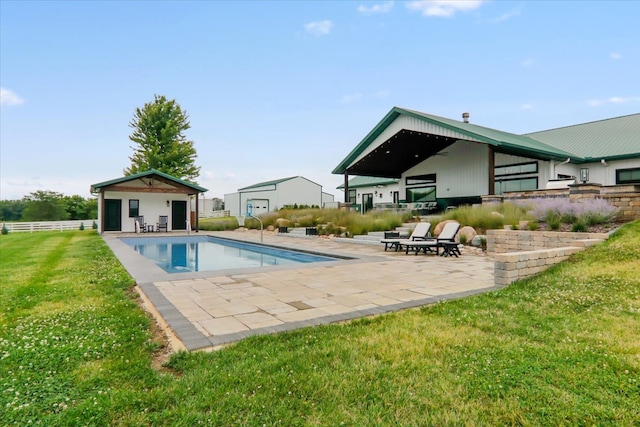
(409,147)
(367,181)
(151,172)
(609,139)
(273,182)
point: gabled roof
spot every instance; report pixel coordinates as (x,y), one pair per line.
(419,146)
(149,173)
(367,181)
(610,139)
(273,182)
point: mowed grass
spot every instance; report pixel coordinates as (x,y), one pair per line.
(562,348)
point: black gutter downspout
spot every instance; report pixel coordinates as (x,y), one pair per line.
(492,171)
(197,212)
(346,187)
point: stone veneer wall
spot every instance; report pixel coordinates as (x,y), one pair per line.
(520,254)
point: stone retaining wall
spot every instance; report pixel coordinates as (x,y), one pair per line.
(520,254)
(503,241)
(513,266)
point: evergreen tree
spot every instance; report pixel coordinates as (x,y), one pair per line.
(158,131)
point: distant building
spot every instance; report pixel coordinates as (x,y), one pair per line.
(271,196)
(365,192)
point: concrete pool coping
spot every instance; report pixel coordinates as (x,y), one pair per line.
(209,309)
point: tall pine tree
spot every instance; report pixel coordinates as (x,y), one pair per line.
(158,131)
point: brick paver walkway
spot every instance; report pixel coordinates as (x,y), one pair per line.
(210,309)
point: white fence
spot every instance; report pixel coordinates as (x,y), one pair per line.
(15,227)
(213,214)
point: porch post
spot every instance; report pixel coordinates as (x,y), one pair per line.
(101,214)
(492,172)
(346,187)
(197,213)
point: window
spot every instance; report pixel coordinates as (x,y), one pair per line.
(134,208)
(352,197)
(517,184)
(421,179)
(421,194)
(628,176)
(516,169)
(421,188)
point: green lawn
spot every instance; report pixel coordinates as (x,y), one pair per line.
(559,349)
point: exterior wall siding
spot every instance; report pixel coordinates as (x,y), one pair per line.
(463,172)
(151,206)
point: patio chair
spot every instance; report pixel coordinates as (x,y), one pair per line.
(445,240)
(139,224)
(420,232)
(163,223)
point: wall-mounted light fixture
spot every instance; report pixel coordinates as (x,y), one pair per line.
(584,175)
(168,203)
(375,192)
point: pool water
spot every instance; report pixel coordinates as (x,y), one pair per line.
(205,253)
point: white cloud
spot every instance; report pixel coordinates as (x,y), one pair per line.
(319,28)
(526,106)
(443,7)
(614,100)
(615,55)
(350,98)
(8,98)
(383,7)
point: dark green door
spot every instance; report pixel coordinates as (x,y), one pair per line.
(178,215)
(113,215)
(367,202)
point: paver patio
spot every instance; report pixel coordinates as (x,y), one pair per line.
(209,309)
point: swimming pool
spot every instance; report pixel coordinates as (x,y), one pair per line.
(181,254)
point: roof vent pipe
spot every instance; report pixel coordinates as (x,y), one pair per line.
(465,117)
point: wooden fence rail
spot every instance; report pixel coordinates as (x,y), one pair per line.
(15,227)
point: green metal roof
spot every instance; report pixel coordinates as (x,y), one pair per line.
(367,181)
(609,139)
(507,142)
(145,174)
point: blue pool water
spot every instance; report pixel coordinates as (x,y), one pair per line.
(205,253)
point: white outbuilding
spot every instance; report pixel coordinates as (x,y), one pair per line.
(273,195)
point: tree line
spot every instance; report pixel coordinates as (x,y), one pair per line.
(48,206)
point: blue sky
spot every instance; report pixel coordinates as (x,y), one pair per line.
(278,89)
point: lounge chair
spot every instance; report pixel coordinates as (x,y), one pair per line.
(420,232)
(140,225)
(163,223)
(445,240)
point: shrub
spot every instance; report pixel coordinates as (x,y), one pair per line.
(591,211)
(4,229)
(94,225)
(554,221)
(579,226)
(82,226)
(463,239)
(219,224)
(486,217)
(533,225)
